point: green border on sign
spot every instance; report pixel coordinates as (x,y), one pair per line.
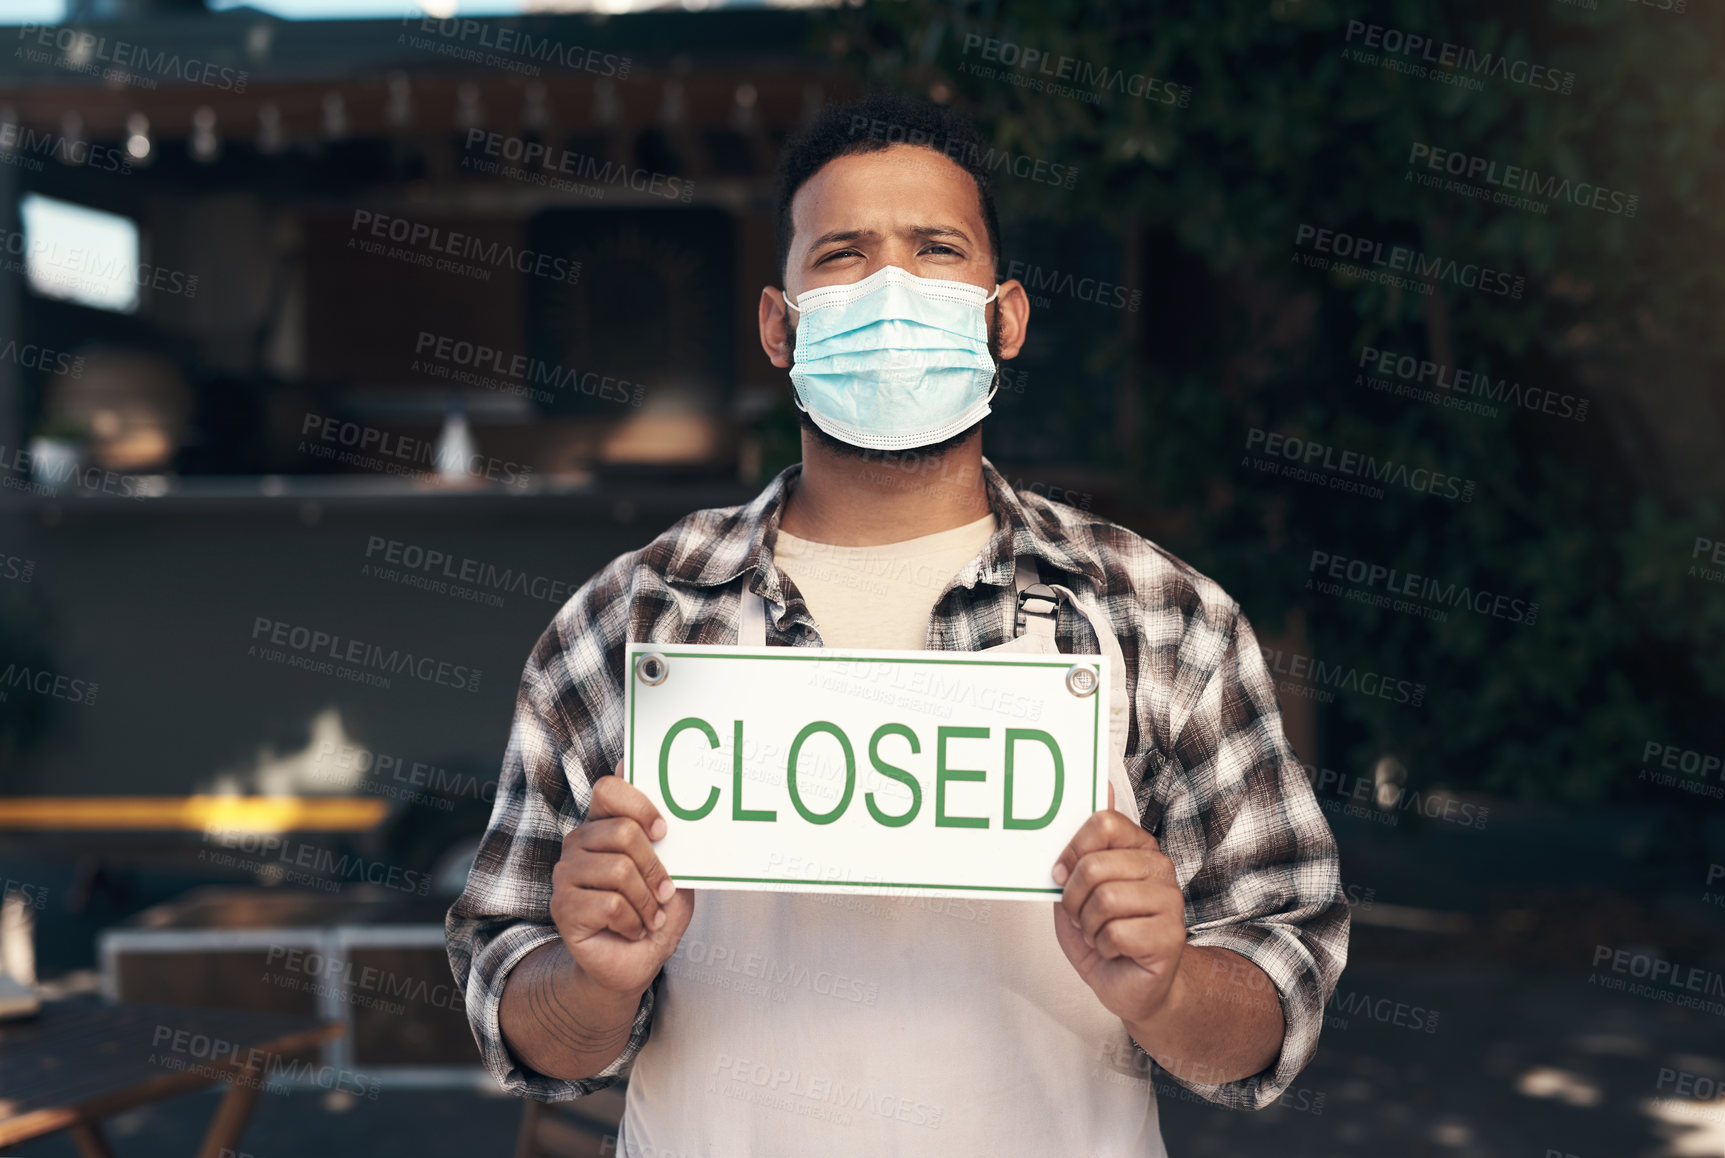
(635,650)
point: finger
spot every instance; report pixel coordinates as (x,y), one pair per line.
(1111,794)
(1105,829)
(622,834)
(1146,940)
(1125,864)
(595,911)
(615,796)
(1112,900)
(618,873)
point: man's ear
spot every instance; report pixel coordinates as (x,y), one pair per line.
(1012,309)
(775,334)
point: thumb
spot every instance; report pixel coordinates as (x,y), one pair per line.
(1111,794)
(1071,940)
(679,910)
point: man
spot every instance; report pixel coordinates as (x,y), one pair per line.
(1202,922)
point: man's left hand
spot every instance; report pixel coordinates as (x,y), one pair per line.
(1122,919)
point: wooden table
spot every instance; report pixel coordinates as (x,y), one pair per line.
(82,1060)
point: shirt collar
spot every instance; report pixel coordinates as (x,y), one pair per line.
(727,542)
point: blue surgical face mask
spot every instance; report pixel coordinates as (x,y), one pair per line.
(894,360)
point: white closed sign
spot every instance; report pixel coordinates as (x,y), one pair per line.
(904,773)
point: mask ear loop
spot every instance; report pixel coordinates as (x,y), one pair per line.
(796,399)
(994,387)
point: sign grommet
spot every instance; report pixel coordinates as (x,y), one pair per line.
(1080,680)
(652,669)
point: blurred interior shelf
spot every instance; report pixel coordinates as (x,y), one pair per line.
(621,497)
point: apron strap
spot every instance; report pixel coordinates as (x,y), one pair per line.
(1038,605)
(751,619)
(1038,612)
(1027,575)
(1119,719)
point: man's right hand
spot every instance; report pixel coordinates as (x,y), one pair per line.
(617,910)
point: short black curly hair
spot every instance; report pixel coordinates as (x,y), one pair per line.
(877,121)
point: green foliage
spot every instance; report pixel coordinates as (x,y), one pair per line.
(1594,520)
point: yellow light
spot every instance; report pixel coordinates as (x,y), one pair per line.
(195,813)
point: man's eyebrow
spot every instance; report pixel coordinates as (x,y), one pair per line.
(844,235)
(940,231)
(838,235)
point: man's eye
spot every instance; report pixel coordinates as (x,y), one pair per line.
(839,253)
(937,247)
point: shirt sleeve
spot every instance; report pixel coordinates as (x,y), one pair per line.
(1255,857)
(569,705)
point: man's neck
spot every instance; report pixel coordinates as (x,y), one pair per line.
(857,502)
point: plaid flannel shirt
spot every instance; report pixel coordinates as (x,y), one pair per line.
(1216,782)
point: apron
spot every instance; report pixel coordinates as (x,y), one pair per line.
(802,1024)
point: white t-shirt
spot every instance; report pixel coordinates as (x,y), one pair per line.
(879,597)
(803,1024)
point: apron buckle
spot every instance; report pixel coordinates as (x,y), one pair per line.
(1042,602)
